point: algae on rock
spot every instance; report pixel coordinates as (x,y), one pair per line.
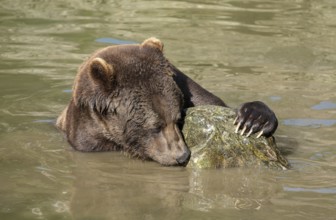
(210,134)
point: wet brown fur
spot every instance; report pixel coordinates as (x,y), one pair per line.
(129,98)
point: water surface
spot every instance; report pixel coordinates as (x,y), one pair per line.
(279,52)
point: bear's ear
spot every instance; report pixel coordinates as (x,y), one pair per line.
(153,42)
(101,71)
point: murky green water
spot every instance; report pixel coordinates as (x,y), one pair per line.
(280,52)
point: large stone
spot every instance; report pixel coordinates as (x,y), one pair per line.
(210,134)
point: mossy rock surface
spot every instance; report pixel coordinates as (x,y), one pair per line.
(210,134)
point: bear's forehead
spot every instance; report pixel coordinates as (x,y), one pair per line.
(135,65)
(156,104)
(131,60)
(142,78)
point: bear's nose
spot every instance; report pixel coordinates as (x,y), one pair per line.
(184,159)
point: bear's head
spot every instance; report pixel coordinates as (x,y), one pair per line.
(129,94)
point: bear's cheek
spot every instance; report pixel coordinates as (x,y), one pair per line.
(168,147)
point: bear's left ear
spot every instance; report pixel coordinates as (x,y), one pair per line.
(153,42)
(101,71)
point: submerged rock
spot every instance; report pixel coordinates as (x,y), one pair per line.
(210,134)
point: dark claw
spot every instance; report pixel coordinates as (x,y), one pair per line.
(253,117)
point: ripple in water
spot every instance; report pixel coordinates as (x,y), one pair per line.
(309,122)
(324,105)
(114,41)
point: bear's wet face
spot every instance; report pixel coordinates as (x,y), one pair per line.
(149,121)
(165,143)
(146,121)
(125,98)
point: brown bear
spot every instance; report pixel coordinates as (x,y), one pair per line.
(130,98)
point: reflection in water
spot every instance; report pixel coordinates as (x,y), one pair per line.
(35,173)
(232,188)
(108,186)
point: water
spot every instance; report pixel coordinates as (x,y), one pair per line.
(280,52)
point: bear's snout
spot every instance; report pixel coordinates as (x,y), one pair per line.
(184,159)
(168,147)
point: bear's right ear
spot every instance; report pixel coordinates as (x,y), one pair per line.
(153,42)
(101,71)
